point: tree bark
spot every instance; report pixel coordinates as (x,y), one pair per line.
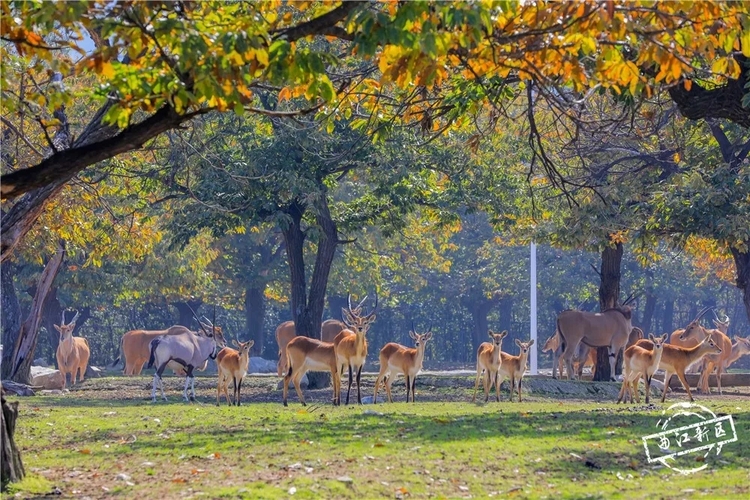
(479,312)
(186,313)
(11,317)
(10,458)
(25,345)
(667,317)
(609,292)
(742,264)
(648,313)
(51,314)
(255,312)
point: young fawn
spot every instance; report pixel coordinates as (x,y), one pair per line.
(395,359)
(513,367)
(233,366)
(637,361)
(489,361)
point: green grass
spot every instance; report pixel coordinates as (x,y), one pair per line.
(539,449)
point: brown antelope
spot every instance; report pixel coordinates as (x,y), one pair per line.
(639,361)
(489,360)
(584,356)
(72,352)
(740,348)
(396,358)
(718,361)
(610,328)
(351,344)
(676,359)
(286,332)
(305,354)
(233,365)
(513,367)
(675,337)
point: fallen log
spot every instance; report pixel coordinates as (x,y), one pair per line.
(18,389)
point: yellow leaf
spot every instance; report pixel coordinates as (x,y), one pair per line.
(745,43)
(107,71)
(688,85)
(284,94)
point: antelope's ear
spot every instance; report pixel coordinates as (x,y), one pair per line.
(664,337)
(651,337)
(491,334)
(235,343)
(427,336)
(412,335)
(57,328)
(250,343)
(518,342)
(504,334)
(531,342)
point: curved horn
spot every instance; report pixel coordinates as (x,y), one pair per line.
(359,306)
(702,313)
(430,328)
(72,322)
(412,327)
(374,309)
(195,316)
(349,301)
(62,321)
(630,299)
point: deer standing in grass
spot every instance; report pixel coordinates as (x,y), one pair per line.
(351,344)
(233,365)
(696,332)
(285,332)
(513,368)
(305,354)
(72,352)
(676,359)
(396,358)
(639,361)
(489,360)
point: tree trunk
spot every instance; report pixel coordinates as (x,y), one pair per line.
(10,458)
(506,310)
(667,317)
(11,316)
(742,265)
(255,312)
(335,304)
(609,292)
(25,345)
(185,311)
(51,314)
(648,313)
(479,313)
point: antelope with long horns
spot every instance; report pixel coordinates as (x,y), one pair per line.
(233,365)
(351,344)
(72,352)
(489,360)
(396,358)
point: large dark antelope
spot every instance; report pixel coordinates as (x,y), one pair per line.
(72,352)
(610,328)
(351,344)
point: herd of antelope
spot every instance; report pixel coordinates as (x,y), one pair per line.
(343,347)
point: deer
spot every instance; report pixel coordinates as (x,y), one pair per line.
(513,368)
(72,352)
(396,358)
(584,356)
(286,332)
(675,339)
(305,354)
(740,348)
(610,328)
(489,360)
(187,349)
(676,359)
(351,344)
(233,365)
(694,331)
(639,361)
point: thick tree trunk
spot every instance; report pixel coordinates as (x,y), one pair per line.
(51,314)
(11,466)
(11,317)
(479,312)
(185,311)
(667,317)
(648,314)
(609,292)
(25,345)
(255,312)
(742,265)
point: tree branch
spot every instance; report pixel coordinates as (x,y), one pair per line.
(320,25)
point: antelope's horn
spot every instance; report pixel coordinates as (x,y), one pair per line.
(62,321)
(702,313)
(73,321)
(195,316)
(716,316)
(374,309)
(349,302)
(359,306)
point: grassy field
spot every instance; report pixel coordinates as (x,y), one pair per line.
(106,440)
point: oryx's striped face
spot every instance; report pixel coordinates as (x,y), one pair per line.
(217,335)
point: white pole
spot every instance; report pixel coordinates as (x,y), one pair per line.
(533,310)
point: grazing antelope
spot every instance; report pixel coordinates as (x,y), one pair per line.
(351,344)
(610,328)
(740,348)
(72,352)
(286,332)
(639,361)
(676,359)
(187,349)
(233,365)
(395,359)
(305,354)
(489,360)
(695,332)
(513,368)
